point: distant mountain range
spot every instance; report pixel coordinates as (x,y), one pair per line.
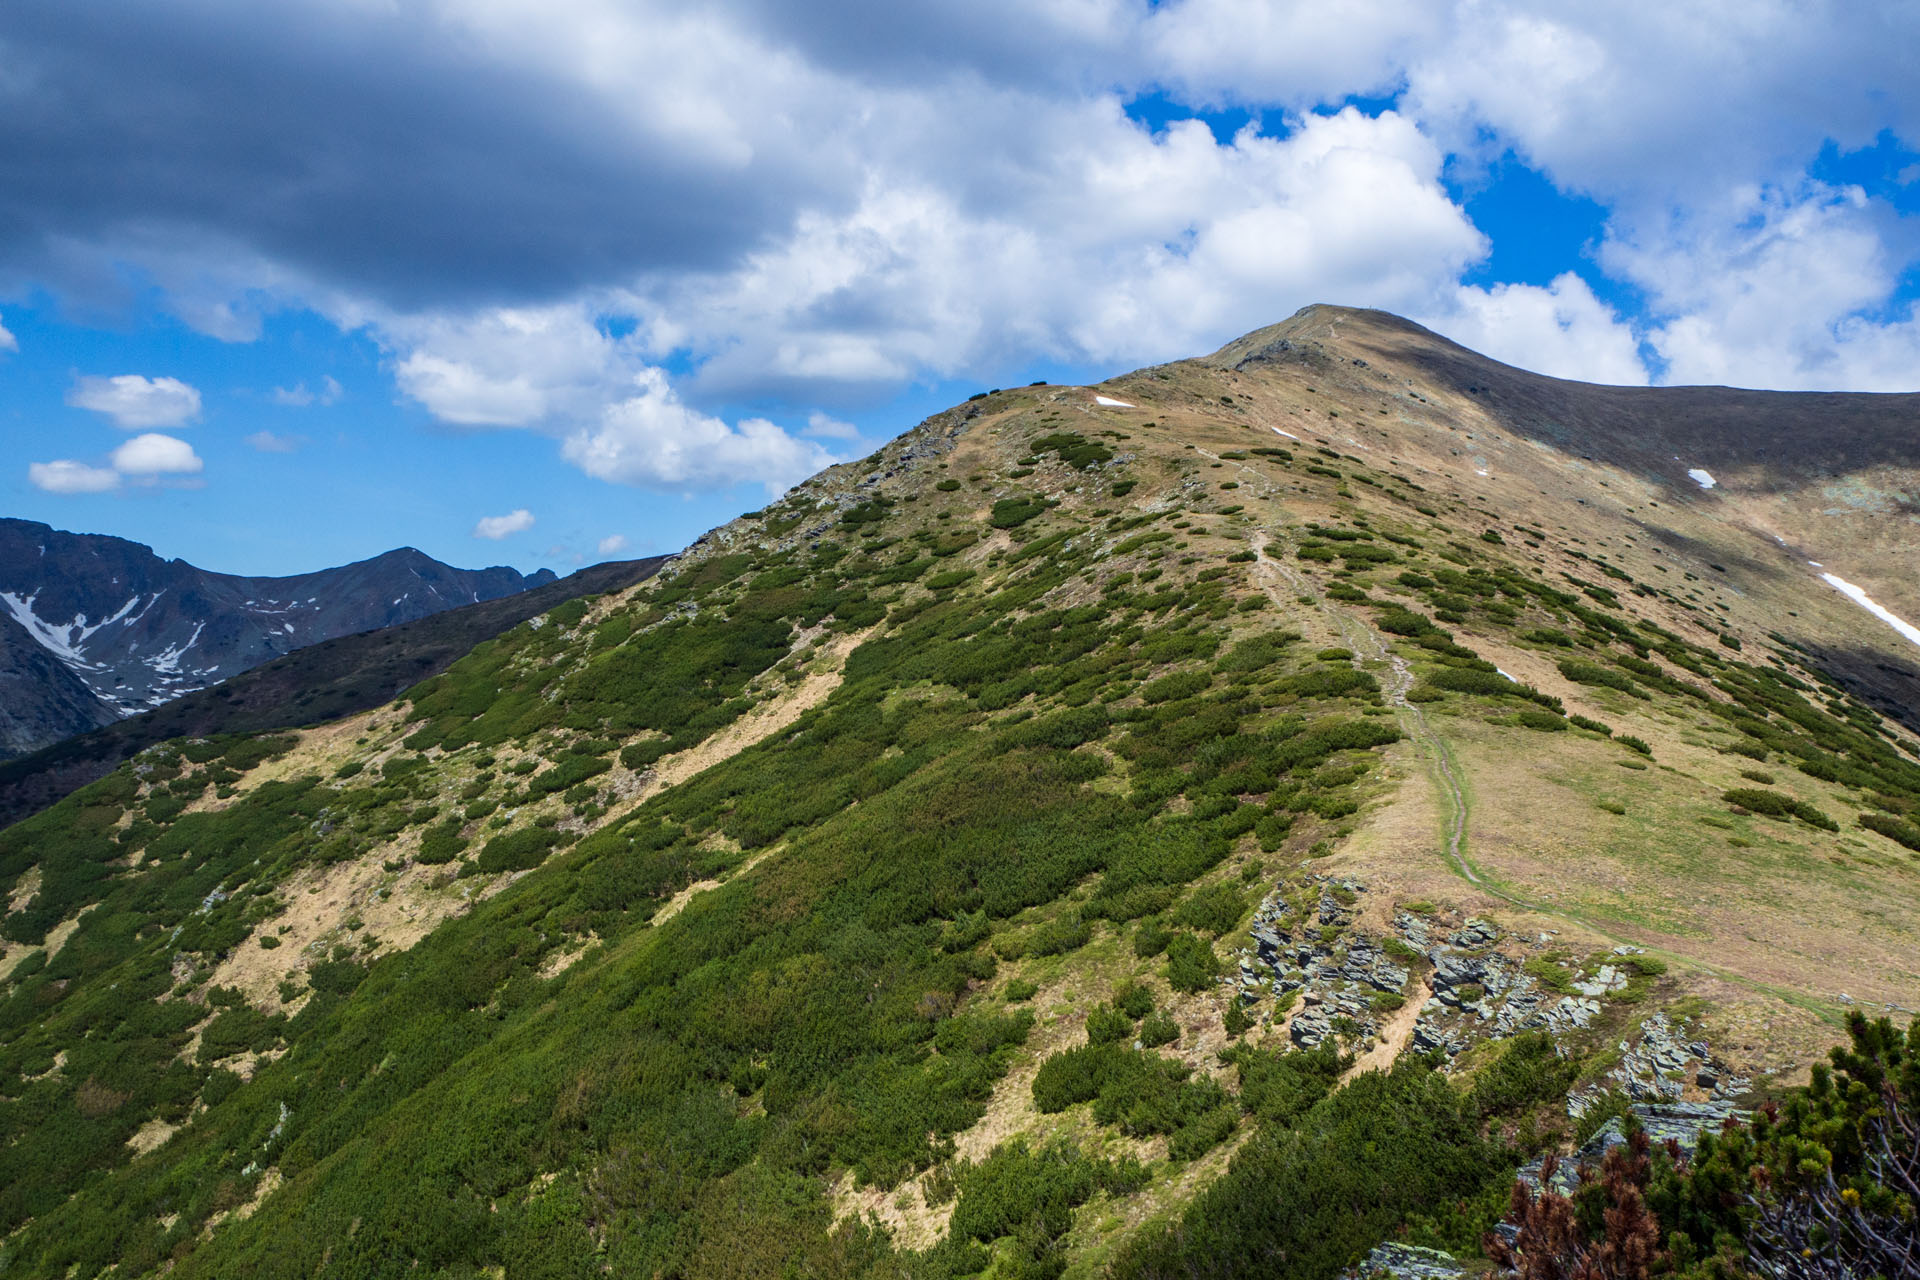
(322,682)
(94,628)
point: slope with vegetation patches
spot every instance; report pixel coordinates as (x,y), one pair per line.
(923,845)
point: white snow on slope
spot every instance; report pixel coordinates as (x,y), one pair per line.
(63,639)
(1288,434)
(1111,403)
(1867,602)
(170,660)
(1702,478)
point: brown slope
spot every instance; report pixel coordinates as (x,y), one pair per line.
(320,682)
(1805,483)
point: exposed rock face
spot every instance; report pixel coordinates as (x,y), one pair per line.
(1337,972)
(1408,1262)
(137,631)
(1663,1065)
(1681,1123)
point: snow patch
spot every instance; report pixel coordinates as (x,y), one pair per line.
(170,660)
(1701,477)
(1288,434)
(1867,602)
(1508,674)
(62,639)
(1111,403)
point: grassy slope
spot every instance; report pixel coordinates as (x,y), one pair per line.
(1056,714)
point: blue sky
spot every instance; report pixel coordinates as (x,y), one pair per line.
(545,283)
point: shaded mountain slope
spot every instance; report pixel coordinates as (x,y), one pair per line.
(1221,819)
(323,681)
(1802,483)
(40,699)
(138,630)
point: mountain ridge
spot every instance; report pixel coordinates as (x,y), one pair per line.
(137,630)
(1223,814)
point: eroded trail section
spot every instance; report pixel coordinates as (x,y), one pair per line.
(1372,654)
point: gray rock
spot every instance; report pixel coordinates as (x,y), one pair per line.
(1407,1262)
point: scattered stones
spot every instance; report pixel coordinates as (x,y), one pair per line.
(1337,972)
(1407,1262)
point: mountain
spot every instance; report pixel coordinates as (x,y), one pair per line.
(43,699)
(320,682)
(1213,823)
(138,631)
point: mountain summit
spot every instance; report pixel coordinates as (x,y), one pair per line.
(134,631)
(1230,820)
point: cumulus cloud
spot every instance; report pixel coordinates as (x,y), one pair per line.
(1770,288)
(268,442)
(828,427)
(65,476)
(7,341)
(153,454)
(1561,330)
(555,370)
(300,396)
(498,527)
(135,402)
(651,438)
(816,205)
(613,544)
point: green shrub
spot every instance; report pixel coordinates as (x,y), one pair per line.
(1179,685)
(516,850)
(1905,833)
(1592,673)
(1150,938)
(1011,513)
(1159,1029)
(1215,909)
(1058,936)
(1106,1025)
(442,843)
(1191,963)
(1134,999)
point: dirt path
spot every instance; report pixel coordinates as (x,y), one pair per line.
(1372,653)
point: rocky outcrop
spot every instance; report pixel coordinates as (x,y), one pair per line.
(1407,1262)
(1663,1064)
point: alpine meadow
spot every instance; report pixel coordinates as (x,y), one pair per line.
(1340,803)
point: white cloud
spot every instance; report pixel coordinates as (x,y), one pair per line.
(507,367)
(651,438)
(1562,330)
(613,544)
(7,341)
(818,205)
(152,454)
(268,442)
(300,396)
(498,527)
(554,370)
(1767,288)
(830,428)
(67,476)
(135,402)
